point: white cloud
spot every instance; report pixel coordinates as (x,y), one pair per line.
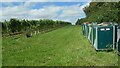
(8,4)
(87,4)
(73,10)
(23,11)
(46,0)
(60,0)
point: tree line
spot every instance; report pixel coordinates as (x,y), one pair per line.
(16,26)
(101,12)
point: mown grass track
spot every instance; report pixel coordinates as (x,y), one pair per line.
(62,47)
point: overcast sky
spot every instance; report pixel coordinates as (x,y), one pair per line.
(66,11)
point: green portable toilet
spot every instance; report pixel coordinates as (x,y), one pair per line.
(116,34)
(94,34)
(84,29)
(119,46)
(87,30)
(90,33)
(118,40)
(103,37)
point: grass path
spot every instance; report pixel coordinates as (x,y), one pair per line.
(62,47)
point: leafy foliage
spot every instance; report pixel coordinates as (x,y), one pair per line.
(102,12)
(27,26)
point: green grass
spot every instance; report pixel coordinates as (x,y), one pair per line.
(62,47)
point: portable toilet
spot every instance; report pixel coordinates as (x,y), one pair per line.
(103,37)
(83,29)
(118,40)
(90,34)
(87,29)
(116,34)
(93,32)
(118,47)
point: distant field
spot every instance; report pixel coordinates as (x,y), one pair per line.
(62,47)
